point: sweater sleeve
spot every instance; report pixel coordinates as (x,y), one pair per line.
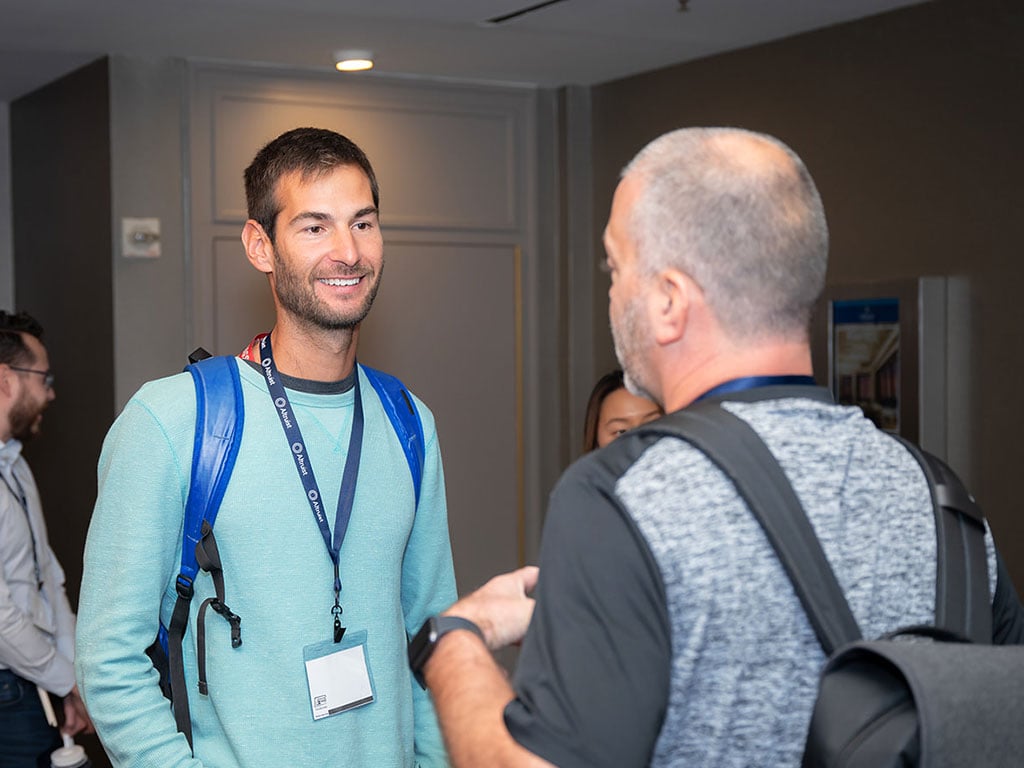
(63,616)
(428,584)
(24,647)
(130,554)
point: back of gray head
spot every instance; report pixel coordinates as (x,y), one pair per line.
(738,212)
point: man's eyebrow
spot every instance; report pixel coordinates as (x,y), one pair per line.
(321,216)
(314,215)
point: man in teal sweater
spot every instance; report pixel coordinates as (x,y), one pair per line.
(327,590)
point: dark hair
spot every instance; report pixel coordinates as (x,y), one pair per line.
(13,348)
(607,384)
(311,152)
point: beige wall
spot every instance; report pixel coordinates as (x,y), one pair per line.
(911,124)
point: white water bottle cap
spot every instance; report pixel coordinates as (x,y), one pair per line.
(69,757)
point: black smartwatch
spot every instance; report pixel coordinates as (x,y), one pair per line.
(422,645)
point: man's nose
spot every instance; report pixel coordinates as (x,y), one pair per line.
(344,248)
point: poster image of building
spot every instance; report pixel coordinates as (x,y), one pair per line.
(866,358)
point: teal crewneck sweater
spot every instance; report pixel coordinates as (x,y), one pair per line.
(396,570)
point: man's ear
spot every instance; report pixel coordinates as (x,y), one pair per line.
(258,247)
(670,305)
(6,380)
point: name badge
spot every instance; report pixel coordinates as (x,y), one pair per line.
(338,675)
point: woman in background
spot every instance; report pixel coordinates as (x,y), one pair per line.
(612,409)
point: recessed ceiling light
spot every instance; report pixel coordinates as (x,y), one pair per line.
(353,61)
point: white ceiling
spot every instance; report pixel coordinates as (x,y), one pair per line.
(568,42)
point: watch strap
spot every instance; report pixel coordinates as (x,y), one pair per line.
(445,624)
(421,647)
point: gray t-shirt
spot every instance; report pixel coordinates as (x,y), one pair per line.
(666,633)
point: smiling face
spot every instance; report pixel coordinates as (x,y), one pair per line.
(327,257)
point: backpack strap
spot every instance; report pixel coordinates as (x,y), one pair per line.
(405,419)
(744,458)
(209,560)
(962,598)
(962,602)
(218,434)
(219,420)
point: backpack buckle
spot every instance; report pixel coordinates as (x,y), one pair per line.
(233,619)
(183,585)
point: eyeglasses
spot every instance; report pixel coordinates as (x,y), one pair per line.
(48,377)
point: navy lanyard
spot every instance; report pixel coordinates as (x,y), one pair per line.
(23,503)
(346,495)
(752,382)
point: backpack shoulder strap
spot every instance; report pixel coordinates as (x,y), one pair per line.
(401,411)
(741,454)
(218,434)
(962,598)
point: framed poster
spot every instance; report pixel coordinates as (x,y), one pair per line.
(864,357)
(883,347)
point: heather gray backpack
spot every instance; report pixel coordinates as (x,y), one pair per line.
(936,696)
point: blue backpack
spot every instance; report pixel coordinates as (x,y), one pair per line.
(218,435)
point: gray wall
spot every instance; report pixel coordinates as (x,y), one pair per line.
(61,202)
(155,120)
(911,124)
(461,179)
(120,139)
(61,194)
(151,311)
(102,140)
(6,247)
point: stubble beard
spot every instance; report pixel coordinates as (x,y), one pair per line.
(24,419)
(631,338)
(298,296)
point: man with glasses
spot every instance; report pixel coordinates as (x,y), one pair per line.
(37,626)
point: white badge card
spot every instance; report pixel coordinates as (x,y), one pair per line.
(338,675)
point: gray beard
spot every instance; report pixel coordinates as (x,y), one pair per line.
(629,352)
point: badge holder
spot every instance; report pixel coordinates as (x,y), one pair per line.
(339,675)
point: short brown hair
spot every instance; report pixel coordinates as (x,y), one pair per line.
(311,152)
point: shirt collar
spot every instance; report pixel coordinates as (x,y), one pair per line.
(756,382)
(9,453)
